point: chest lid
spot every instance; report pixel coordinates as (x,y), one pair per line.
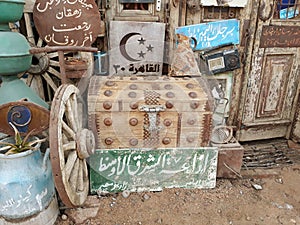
(128,94)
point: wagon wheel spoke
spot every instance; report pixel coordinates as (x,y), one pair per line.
(44,74)
(49,81)
(70,145)
(39,42)
(67,131)
(53,62)
(72,114)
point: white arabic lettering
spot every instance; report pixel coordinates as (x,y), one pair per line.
(85,27)
(48,4)
(39,198)
(15,203)
(68,13)
(165,163)
(84,5)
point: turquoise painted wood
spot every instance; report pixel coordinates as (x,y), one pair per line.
(10,11)
(152,170)
(212,34)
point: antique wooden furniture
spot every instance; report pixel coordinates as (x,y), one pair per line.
(70,145)
(149,113)
(71,30)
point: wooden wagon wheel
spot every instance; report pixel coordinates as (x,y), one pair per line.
(44,74)
(70,145)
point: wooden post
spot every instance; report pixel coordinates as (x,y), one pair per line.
(61,58)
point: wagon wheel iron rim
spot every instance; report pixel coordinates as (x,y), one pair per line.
(45,68)
(70,145)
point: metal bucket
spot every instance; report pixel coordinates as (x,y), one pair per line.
(26,184)
(46,217)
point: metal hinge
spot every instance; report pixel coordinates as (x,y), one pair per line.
(152,112)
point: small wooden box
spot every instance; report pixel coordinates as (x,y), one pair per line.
(230,159)
(149,113)
(75,68)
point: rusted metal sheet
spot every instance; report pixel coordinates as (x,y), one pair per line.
(136,48)
(26,116)
(152,170)
(269,154)
(280,36)
(67,23)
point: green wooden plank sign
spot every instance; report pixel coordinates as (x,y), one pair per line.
(152,170)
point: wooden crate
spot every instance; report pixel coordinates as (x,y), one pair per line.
(230,159)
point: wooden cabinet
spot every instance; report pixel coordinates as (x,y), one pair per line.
(270,90)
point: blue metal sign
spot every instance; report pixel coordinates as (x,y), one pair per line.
(212,34)
(288,13)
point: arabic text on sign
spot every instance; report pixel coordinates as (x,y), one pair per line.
(71,22)
(138,68)
(212,34)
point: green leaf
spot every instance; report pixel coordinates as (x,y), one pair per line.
(18,138)
(11,151)
(27,136)
(36,141)
(25,148)
(20,145)
(4,148)
(7,144)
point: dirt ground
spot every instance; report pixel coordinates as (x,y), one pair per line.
(272,198)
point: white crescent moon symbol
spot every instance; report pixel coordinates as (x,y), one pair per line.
(122,46)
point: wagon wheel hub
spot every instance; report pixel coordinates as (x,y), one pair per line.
(40,64)
(85,142)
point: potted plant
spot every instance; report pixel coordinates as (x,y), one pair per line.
(26,182)
(18,145)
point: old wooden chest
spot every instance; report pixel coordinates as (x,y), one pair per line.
(145,112)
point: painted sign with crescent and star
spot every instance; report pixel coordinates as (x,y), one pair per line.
(136,48)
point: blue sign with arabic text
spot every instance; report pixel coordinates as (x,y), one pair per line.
(288,13)
(212,34)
